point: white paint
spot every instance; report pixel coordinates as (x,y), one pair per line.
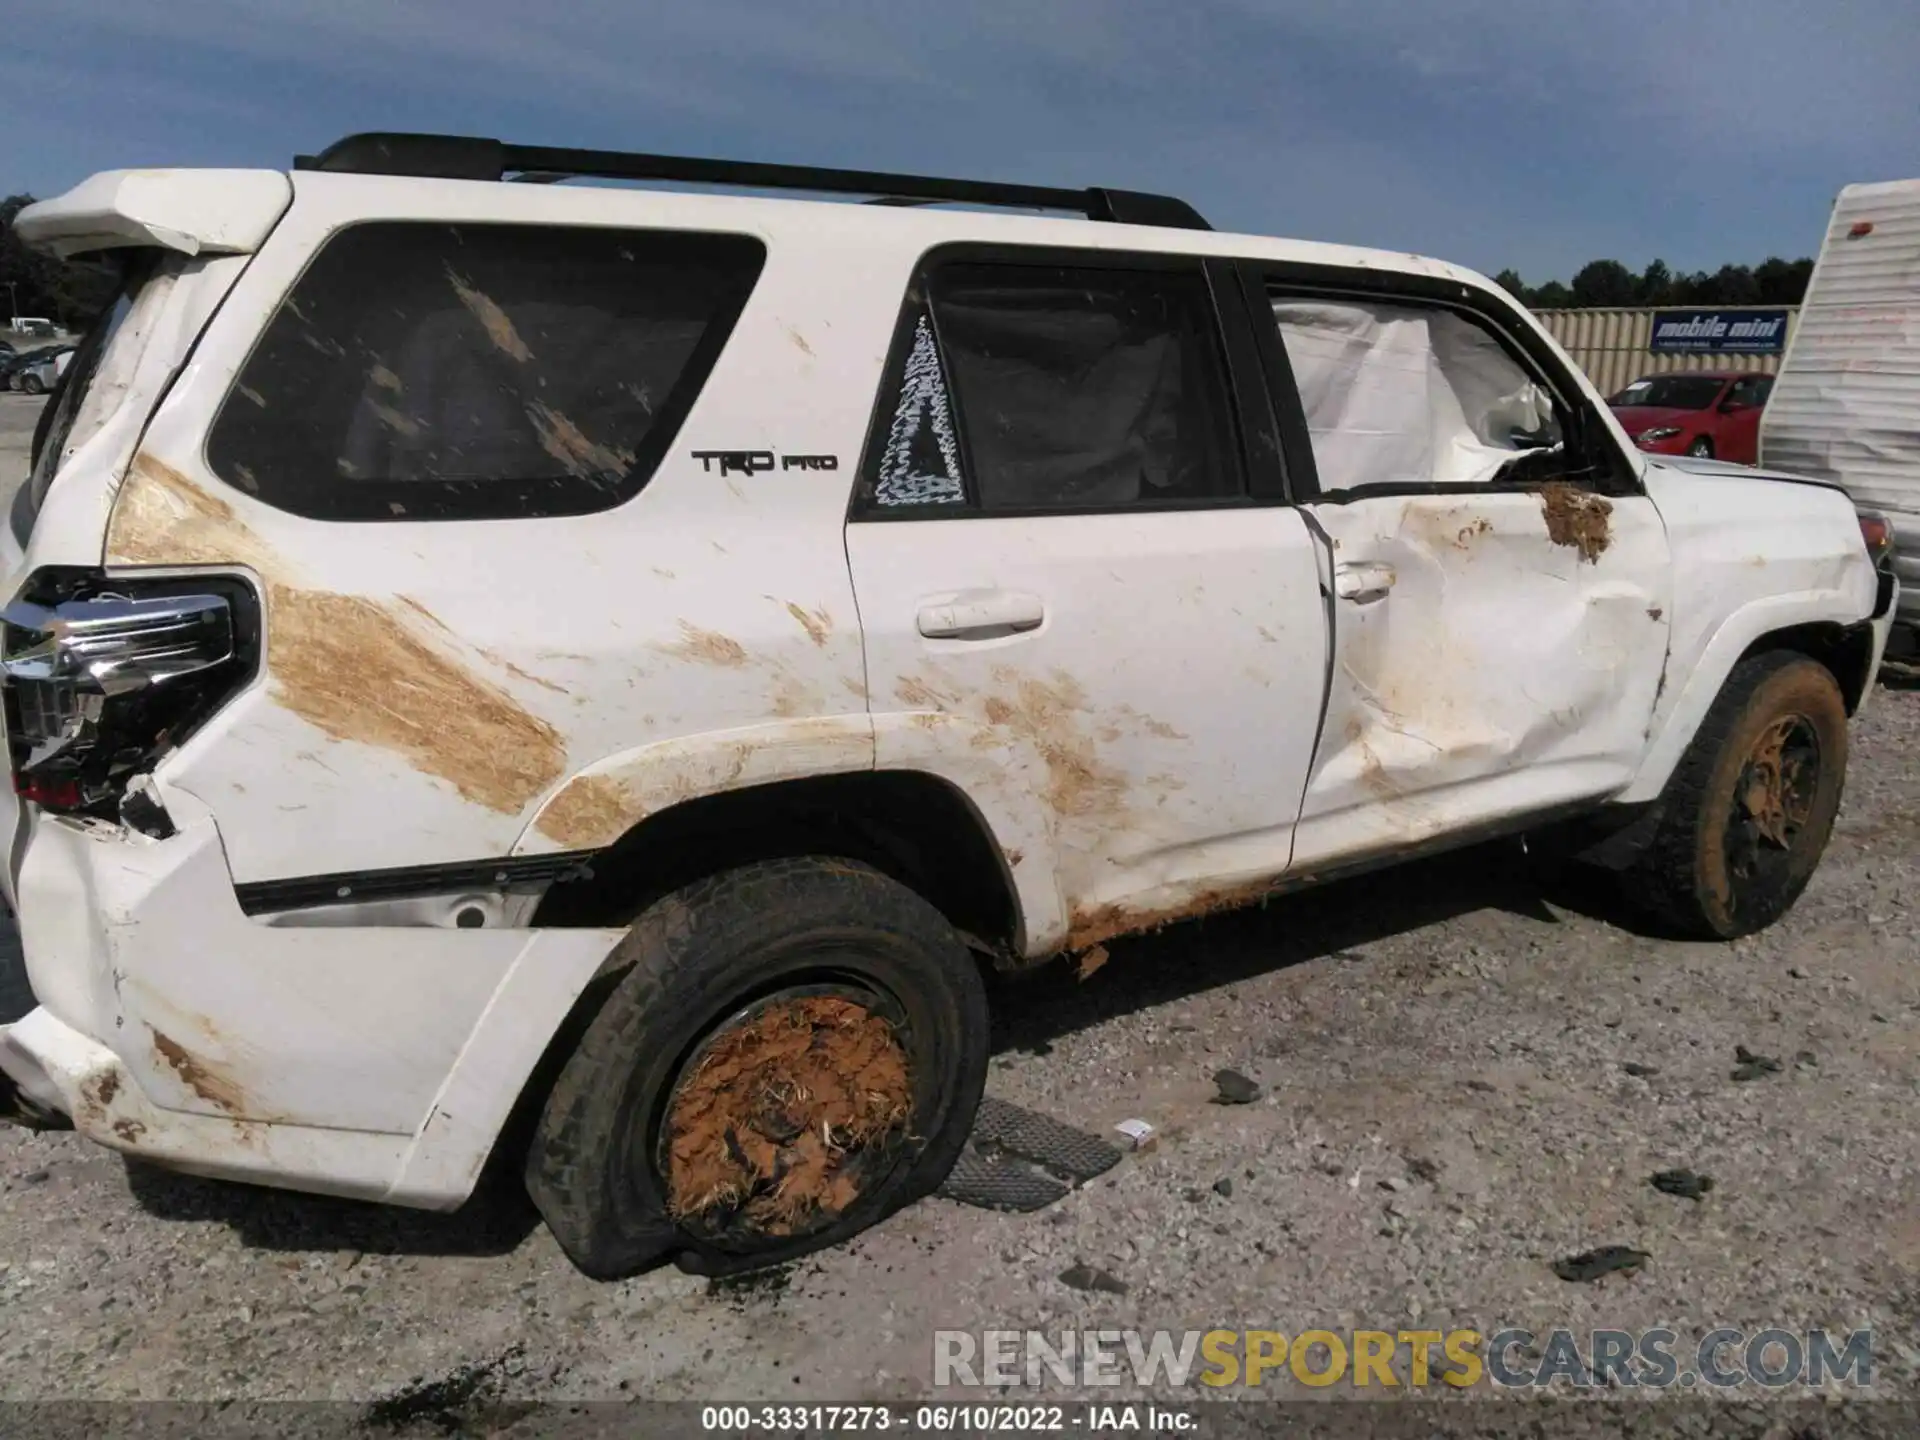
(139,953)
(1750,555)
(1155,728)
(1130,703)
(195,212)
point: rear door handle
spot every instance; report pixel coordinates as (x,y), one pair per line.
(981,615)
(1366,581)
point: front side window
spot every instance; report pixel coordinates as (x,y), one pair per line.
(1397,393)
(1041,388)
(430,371)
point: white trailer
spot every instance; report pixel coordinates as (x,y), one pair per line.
(1847,403)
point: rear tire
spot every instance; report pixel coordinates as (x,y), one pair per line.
(32,386)
(1748,812)
(685,1122)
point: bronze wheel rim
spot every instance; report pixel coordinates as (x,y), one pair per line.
(1772,804)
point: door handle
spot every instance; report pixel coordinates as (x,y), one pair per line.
(1366,581)
(981,615)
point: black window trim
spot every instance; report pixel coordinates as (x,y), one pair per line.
(455,501)
(1596,461)
(1254,446)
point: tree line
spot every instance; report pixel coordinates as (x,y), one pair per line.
(34,284)
(1609,284)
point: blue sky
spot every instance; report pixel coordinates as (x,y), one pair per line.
(1530,133)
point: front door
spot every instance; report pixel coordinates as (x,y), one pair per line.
(1077,607)
(1501,595)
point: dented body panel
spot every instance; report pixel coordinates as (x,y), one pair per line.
(371,1062)
(1752,555)
(1154,728)
(323,970)
(193,212)
(1509,665)
(414,708)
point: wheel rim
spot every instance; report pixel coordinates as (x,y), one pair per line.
(1772,804)
(786,1114)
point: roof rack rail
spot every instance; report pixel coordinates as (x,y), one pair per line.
(459,157)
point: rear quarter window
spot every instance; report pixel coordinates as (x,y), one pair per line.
(431,371)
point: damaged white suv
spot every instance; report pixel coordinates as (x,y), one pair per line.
(597,670)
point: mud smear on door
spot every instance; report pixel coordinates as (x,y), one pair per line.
(1577,518)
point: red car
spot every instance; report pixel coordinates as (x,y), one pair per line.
(1691,413)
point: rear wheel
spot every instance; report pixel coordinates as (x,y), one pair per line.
(792,1052)
(31,384)
(1748,812)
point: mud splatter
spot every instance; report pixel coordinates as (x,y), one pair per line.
(129,1131)
(385,379)
(914,691)
(817,623)
(350,667)
(1048,716)
(1577,518)
(395,420)
(769,1129)
(162,518)
(800,342)
(708,647)
(1467,534)
(492,318)
(346,664)
(1094,927)
(567,443)
(108,1087)
(590,811)
(201,1077)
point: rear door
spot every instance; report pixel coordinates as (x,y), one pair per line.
(1501,588)
(1085,599)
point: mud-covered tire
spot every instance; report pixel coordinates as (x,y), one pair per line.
(1734,849)
(692,966)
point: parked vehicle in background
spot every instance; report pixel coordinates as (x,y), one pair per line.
(1707,415)
(895,591)
(34,325)
(39,372)
(1847,405)
(12,367)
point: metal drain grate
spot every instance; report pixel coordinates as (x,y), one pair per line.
(1020,1160)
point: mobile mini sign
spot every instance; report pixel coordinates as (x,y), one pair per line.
(1719,332)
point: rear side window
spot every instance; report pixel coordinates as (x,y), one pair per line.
(429,371)
(1030,388)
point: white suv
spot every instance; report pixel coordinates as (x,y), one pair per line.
(620,660)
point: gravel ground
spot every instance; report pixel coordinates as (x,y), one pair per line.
(1447,1110)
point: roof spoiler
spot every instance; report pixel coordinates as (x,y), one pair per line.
(196,212)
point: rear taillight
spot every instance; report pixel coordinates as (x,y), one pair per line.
(103,679)
(1877,531)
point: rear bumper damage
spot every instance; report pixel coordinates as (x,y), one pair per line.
(374,1062)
